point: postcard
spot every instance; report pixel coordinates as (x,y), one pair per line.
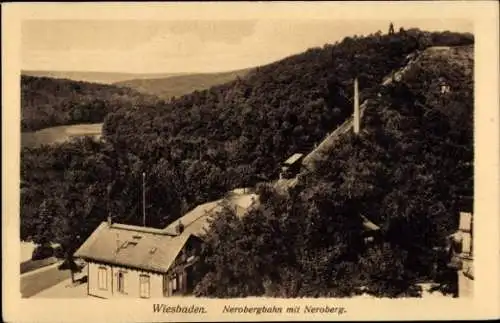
(250,161)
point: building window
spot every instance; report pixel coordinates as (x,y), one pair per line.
(166,286)
(180,283)
(121,282)
(174,286)
(144,286)
(102,274)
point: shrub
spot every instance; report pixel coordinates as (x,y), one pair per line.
(59,252)
(42,252)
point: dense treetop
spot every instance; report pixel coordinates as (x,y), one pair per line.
(48,102)
(408,171)
(276,110)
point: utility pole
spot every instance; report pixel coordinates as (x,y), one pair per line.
(144,199)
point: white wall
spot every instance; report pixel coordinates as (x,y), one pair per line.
(465,282)
(131,278)
(465,285)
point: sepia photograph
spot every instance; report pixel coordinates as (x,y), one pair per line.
(252,157)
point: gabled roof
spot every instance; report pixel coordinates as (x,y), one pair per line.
(155,249)
(132,246)
(197,221)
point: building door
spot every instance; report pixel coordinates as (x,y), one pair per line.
(121,282)
(189,280)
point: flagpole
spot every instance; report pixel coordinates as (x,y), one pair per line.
(144,199)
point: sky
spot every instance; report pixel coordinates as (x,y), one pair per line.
(204,46)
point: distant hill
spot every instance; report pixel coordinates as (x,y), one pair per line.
(95,77)
(48,102)
(170,86)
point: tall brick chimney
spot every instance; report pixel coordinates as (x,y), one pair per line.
(356,117)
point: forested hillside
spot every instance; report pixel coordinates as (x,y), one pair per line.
(48,102)
(199,146)
(409,171)
(257,121)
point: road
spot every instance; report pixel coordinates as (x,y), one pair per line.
(41,279)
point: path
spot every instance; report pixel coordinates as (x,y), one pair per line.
(64,289)
(35,281)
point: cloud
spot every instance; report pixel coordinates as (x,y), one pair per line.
(270,41)
(156,47)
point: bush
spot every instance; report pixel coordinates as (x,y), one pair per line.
(42,252)
(70,265)
(59,252)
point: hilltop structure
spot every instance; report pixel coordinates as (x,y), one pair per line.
(391,28)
